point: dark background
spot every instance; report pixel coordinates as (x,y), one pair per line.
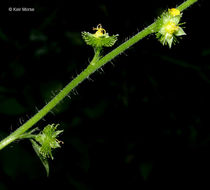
(143,121)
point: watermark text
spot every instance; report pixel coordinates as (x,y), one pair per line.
(21,9)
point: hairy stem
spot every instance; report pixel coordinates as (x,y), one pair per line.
(186,4)
(95,64)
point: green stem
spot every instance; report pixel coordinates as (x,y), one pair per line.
(186,4)
(95,64)
(108,57)
(47,108)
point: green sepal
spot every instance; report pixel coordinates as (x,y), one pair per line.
(170,41)
(44,161)
(167,39)
(97,42)
(47,140)
(180,32)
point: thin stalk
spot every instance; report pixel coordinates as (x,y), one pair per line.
(108,57)
(47,108)
(186,4)
(94,65)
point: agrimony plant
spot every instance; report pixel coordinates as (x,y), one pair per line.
(167,28)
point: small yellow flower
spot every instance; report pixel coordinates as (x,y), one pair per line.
(171,27)
(174,12)
(100,39)
(100,31)
(168,27)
